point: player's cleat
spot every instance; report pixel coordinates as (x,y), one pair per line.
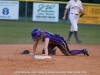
(85,52)
(78,41)
(68,41)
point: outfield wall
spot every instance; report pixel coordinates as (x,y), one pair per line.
(92,14)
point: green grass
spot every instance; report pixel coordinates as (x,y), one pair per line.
(16,32)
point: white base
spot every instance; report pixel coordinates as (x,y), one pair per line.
(41,57)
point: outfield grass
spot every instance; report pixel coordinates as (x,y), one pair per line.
(15,32)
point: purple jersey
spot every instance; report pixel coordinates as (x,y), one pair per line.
(54,38)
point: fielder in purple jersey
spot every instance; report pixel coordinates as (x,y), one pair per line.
(51,41)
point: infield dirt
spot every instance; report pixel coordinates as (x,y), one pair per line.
(12,62)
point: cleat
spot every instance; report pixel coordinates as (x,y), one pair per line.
(85,52)
(68,41)
(78,41)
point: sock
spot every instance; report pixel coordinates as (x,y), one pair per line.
(75,52)
(70,34)
(52,51)
(76,35)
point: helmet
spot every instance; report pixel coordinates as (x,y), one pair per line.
(36,33)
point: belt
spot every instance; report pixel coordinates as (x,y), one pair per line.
(74,14)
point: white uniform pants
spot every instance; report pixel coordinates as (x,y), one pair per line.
(73,20)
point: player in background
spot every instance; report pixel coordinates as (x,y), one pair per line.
(51,41)
(75,7)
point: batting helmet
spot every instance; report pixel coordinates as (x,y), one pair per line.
(36,33)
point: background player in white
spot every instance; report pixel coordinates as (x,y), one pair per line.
(75,7)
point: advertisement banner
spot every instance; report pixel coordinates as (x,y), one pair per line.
(92,14)
(9,10)
(45,12)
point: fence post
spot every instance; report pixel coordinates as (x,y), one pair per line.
(26,11)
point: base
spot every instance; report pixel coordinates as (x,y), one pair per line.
(41,57)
